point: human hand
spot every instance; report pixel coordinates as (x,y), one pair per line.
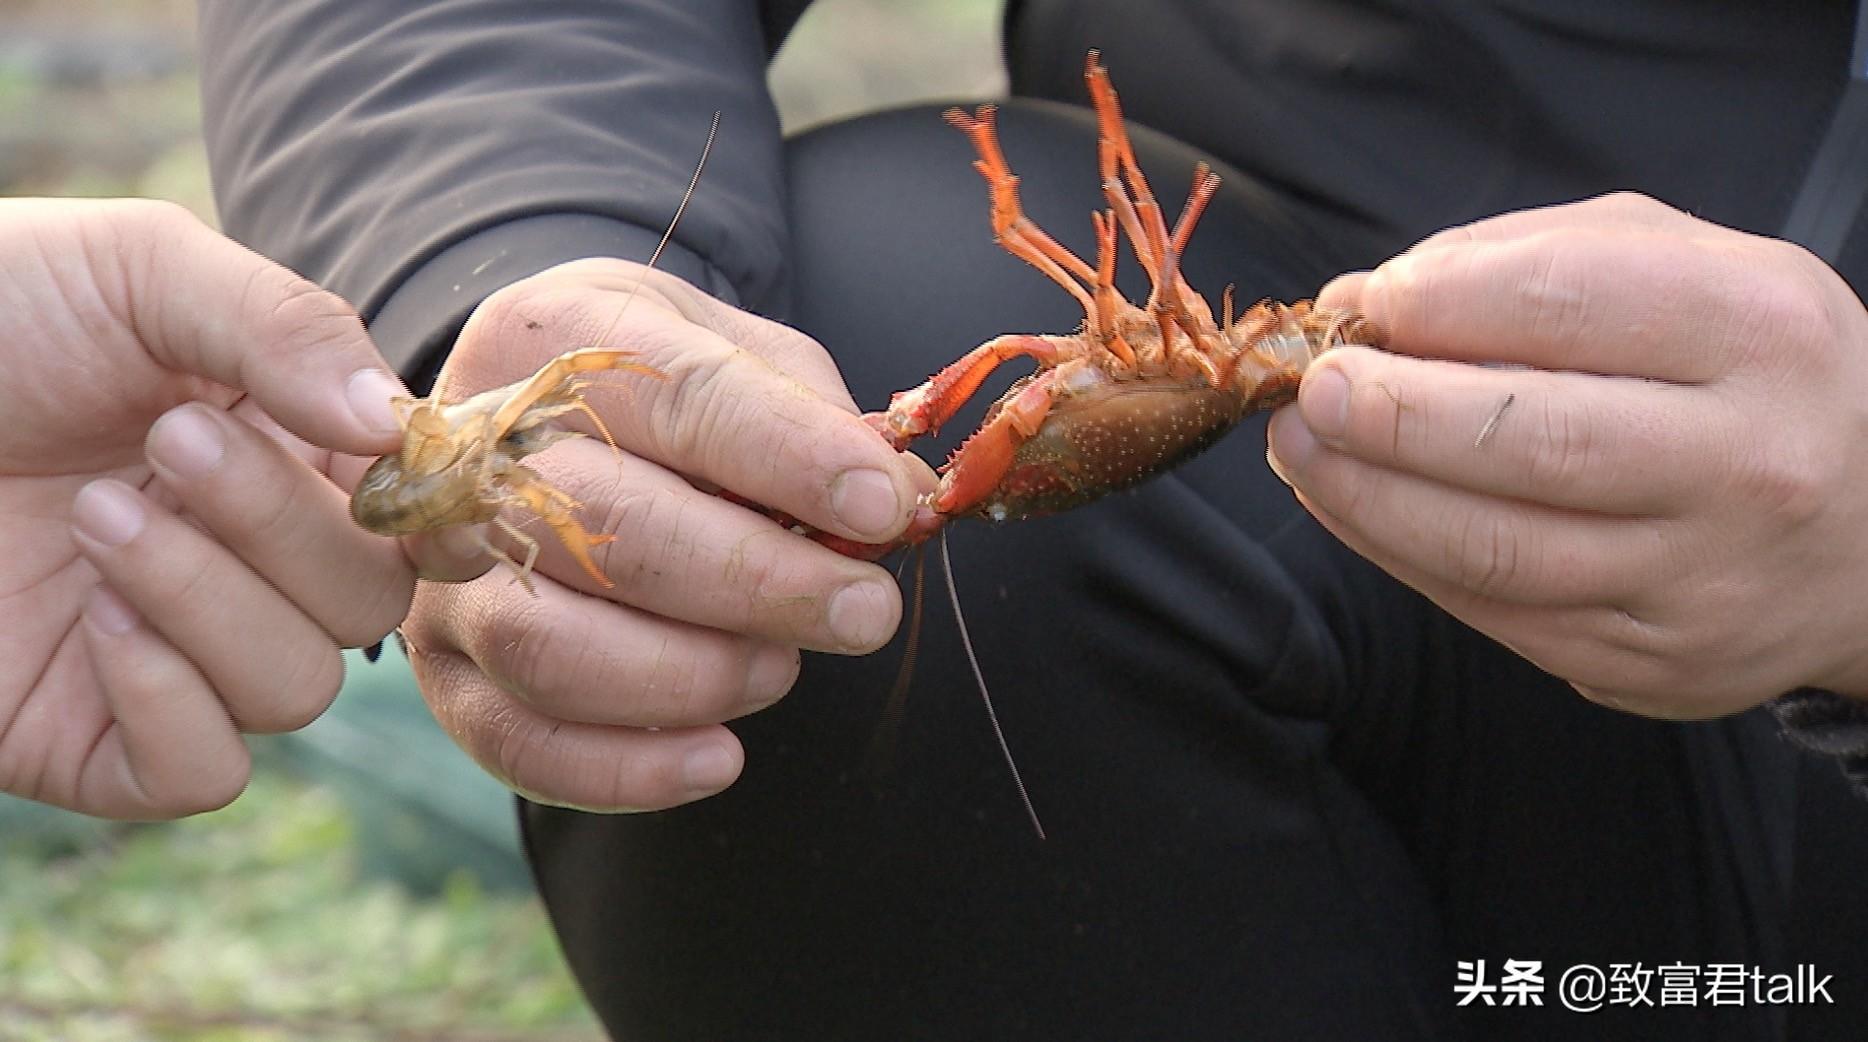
(613,698)
(1669,509)
(157,605)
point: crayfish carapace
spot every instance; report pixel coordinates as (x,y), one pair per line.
(459,464)
(1137,390)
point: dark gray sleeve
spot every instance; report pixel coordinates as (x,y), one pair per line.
(414,157)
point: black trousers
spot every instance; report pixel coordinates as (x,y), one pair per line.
(1285,795)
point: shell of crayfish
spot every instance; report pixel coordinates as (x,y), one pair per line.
(1109,427)
(459,462)
(1106,424)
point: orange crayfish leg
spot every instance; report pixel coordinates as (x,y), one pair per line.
(555,508)
(981,463)
(521,573)
(924,408)
(579,541)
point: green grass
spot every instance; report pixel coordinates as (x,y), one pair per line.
(253,924)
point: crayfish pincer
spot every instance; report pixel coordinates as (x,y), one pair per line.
(459,464)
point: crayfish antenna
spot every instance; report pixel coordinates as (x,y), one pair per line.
(882,746)
(713,131)
(966,642)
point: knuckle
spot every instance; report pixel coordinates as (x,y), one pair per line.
(1566,449)
(141,231)
(1487,554)
(300,315)
(156,215)
(542,759)
(694,411)
(1384,422)
(1646,664)
(514,309)
(1399,294)
(519,750)
(1554,286)
(531,657)
(1634,204)
(1782,310)
(653,540)
(271,509)
(388,605)
(1789,482)
(1339,493)
(670,689)
(680,685)
(674,689)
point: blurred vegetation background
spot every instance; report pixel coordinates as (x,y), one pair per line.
(367,886)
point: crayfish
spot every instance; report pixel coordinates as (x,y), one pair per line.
(459,464)
(1137,390)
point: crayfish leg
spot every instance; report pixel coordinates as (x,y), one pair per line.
(1021,236)
(521,573)
(530,489)
(550,378)
(981,463)
(1135,206)
(923,409)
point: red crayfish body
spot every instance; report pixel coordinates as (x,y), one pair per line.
(1137,390)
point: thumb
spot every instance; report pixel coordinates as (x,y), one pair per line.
(203,304)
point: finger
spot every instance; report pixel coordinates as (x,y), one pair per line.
(565,763)
(203,304)
(211,607)
(1612,655)
(1627,210)
(687,555)
(573,657)
(1344,292)
(1608,445)
(454,553)
(1617,210)
(722,413)
(1622,303)
(284,520)
(1497,548)
(785,348)
(172,750)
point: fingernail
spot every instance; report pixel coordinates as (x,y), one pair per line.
(1324,399)
(369,392)
(770,675)
(109,613)
(859,615)
(108,512)
(709,769)
(187,442)
(1291,444)
(866,501)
